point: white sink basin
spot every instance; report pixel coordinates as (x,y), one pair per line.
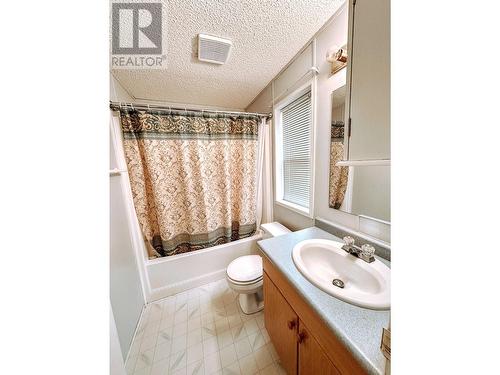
(365,284)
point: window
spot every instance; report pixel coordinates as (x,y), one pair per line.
(294,130)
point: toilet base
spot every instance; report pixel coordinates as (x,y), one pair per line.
(251,303)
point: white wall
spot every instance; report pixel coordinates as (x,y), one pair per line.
(333,33)
(126,294)
(126,290)
(116,361)
(294,76)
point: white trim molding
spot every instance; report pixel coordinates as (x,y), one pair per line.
(309,86)
(294,207)
(364,163)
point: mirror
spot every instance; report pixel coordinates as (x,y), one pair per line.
(360,190)
(369,192)
(338,175)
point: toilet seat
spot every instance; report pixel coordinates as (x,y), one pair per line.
(245,282)
(245,270)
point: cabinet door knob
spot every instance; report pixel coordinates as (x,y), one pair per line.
(301,337)
(291,324)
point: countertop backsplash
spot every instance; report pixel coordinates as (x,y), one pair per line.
(381,251)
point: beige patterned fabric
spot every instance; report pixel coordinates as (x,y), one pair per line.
(338,175)
(193,177)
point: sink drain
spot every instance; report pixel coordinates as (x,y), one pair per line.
(338,283)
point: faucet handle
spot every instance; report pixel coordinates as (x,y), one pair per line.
(348,240)
(367,251)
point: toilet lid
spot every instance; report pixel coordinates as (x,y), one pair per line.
(245,268)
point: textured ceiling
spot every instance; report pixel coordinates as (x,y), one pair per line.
(265,35)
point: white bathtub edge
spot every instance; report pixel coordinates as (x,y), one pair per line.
(182,286)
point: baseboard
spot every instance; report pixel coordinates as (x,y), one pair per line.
(168,290)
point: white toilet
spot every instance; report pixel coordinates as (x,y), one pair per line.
(244,274)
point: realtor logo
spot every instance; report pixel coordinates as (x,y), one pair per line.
(137,30)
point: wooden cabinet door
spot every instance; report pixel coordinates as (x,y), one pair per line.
(312,358)
(281,323)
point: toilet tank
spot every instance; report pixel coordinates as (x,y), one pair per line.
(273,229)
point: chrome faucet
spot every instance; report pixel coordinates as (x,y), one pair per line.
(364,252)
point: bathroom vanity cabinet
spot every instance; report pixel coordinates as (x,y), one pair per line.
(304,343)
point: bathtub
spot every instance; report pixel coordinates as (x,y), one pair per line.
(177,273)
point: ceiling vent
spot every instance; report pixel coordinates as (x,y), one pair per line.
(213,49)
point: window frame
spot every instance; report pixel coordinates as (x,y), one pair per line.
(278,151)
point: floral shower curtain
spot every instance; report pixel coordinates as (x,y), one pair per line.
(193,177)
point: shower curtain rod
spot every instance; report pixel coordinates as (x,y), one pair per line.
(115,105)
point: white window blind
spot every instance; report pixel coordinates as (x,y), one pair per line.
(296,120)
